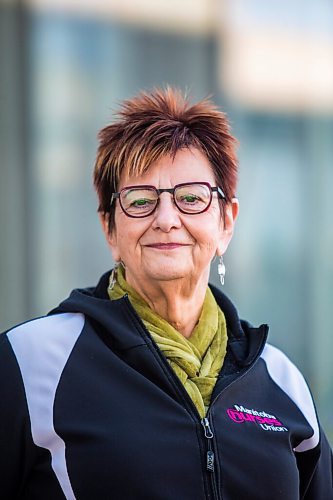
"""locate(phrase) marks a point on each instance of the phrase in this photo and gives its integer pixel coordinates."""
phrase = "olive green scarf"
(196, 360)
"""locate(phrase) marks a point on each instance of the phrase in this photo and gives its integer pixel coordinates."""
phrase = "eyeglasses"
(190, 198)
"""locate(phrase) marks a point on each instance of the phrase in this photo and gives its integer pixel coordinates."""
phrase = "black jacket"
(91, 409)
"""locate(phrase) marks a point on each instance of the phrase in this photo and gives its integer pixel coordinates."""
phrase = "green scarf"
(197, 360)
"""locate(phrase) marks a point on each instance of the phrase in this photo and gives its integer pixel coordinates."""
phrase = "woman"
(148, 386)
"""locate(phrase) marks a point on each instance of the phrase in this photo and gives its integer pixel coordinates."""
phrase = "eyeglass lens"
(189, 198)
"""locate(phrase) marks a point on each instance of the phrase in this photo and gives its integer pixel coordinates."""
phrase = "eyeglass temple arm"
(219, 191)
(113, 197)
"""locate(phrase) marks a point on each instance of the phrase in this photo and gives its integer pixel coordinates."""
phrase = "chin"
(166, 273)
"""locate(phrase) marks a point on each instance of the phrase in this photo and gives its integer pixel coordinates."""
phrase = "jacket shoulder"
(44, 329)
(43, 345)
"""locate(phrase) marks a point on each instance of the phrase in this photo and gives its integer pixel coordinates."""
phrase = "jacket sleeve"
(17, 451)
(316, 471)
(313, 454)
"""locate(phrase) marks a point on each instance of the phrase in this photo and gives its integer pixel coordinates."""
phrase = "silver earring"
(113, 276)
(221, 269)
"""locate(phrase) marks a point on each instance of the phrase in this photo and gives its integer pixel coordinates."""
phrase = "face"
(169, 245)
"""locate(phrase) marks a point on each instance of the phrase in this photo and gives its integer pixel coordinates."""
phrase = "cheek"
(129, 233)
(207, 232)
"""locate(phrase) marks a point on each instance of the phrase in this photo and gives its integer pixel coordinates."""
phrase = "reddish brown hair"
(159, 123)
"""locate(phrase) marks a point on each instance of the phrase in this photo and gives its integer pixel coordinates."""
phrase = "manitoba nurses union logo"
(267, 422)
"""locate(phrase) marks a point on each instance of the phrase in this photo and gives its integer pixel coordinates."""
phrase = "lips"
(167, 246)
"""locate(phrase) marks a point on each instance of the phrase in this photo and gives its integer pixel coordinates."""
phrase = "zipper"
(210, 453)
(210, 456)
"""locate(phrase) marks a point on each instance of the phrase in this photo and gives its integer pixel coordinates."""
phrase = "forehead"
(187, 166)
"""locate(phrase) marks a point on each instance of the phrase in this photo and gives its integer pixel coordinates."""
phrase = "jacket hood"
(245, 342)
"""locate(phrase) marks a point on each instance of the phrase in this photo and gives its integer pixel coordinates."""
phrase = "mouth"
(167, 246)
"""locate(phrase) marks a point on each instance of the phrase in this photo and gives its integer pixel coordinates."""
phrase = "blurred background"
(64, 67)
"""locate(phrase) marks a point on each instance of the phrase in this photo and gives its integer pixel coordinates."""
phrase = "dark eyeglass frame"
(212, 189)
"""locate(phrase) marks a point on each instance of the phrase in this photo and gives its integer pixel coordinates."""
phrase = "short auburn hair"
(160, 123)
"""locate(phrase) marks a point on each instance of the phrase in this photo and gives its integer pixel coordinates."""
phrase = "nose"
(166, 215)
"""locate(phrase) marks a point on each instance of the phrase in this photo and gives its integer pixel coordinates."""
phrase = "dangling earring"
(113, 276)
(221, 269)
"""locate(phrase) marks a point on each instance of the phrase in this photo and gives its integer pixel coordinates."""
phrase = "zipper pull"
(210, 461)
(207, 429)
(209, 435)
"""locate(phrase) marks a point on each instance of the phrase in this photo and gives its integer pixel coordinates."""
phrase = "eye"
(142, 202)
(189, 198)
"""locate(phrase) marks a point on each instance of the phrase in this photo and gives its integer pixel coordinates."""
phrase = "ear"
(111, 237)
(227, 226)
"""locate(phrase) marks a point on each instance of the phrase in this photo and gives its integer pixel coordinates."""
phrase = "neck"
(179, 301)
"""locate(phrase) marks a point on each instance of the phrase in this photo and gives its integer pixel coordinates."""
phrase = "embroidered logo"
(266, 421)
